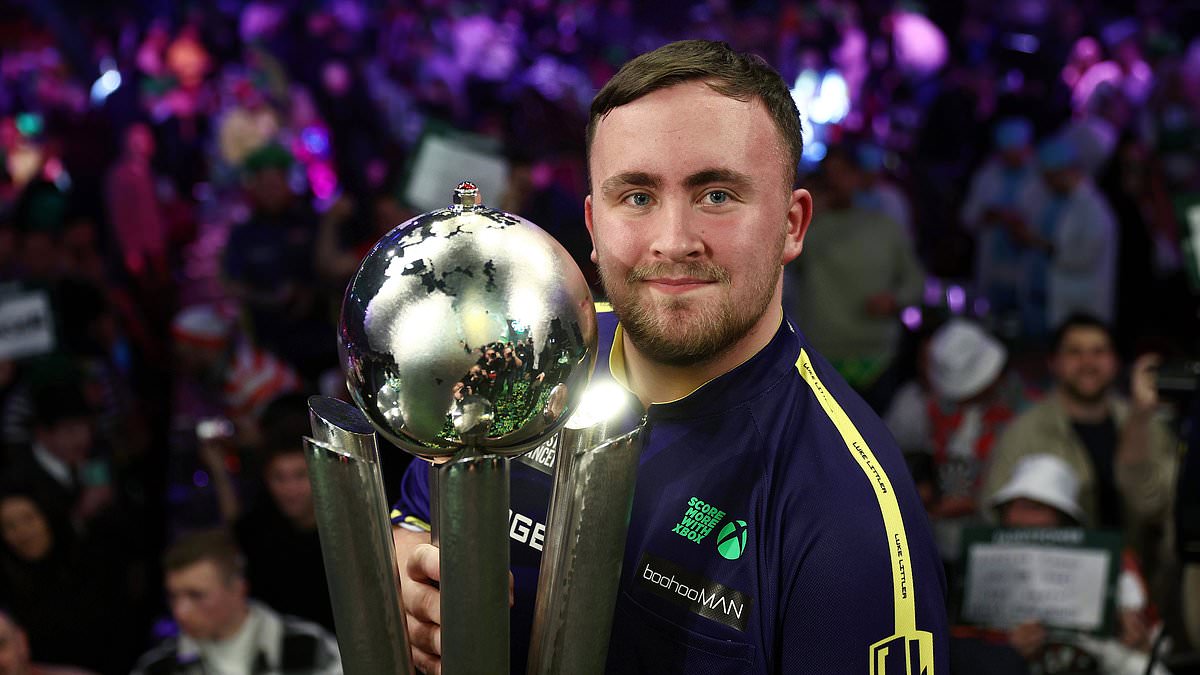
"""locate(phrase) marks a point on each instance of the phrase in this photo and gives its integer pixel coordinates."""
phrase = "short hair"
(285, 423)
(216, 546)
(739, 76)
(1080, 320)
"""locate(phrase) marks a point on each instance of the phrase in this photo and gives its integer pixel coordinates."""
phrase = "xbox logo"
(731, 541)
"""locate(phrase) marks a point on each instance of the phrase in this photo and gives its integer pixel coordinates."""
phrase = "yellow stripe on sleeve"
(893, 523)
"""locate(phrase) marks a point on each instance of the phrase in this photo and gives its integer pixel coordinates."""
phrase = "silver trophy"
(468, 336)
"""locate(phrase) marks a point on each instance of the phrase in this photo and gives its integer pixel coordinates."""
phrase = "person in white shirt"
(1071, 227)
(993, 206)
(222, 631)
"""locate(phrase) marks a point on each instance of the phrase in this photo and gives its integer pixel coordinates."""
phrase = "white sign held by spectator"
(26, 325)
(1009, 582)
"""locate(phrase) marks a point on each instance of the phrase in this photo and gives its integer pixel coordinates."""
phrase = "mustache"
(701, 270)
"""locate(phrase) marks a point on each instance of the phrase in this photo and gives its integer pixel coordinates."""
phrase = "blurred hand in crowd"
(1028, 639)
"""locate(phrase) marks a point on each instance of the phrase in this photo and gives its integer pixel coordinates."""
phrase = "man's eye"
(638, 199)
(717, 197)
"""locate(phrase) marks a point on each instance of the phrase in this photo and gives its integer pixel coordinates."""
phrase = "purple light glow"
(956, 299)
(911, 317)
(200, 478)
(933, 292)
(322, 179)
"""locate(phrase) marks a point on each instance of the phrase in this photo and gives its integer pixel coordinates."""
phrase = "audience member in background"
(268, 267)
(239, 375)
(68, 594)
(879, 194)
(1121, 452)
(992, 208)
(279, 531)
(221, 629)
(134, 209)
(61, 465)
(848, 294)
(971, 400)
(1071, 233)
(1043, 492)
(15, 657)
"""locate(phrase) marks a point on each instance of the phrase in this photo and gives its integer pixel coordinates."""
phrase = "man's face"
(206, 604)
(69, 439)
(692, 218)
(270, 192)
(287, 480)
(1085, 365)
(14, 648)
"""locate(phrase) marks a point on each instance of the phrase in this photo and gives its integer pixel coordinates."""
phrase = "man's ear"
(587, 220)
(799, 216)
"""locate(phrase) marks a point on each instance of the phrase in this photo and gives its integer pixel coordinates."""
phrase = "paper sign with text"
(1064, 578)
(26, 325)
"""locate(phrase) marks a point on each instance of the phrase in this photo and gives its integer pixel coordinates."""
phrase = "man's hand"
(423, 607)
(1028, 639)
(1143, 384)
(419, 579)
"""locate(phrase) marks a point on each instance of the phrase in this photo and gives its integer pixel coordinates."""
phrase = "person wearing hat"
(268, 266)
(971, 397)
(1070, 238)
(992, 205)
(1044, 493)
(239, 378)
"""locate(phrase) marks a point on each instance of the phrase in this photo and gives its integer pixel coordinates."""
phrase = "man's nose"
(677, 235)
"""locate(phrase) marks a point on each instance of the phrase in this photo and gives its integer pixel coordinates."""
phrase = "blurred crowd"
(1002, 257)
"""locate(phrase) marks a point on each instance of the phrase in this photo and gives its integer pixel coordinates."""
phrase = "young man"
(279, 532)
(221, 630)
(814, 541)
(1122, 454)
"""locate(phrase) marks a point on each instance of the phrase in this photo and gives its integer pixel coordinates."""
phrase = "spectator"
(269, 268)
(1043, 492)
(68, 595)
(1071, 232)
(848, 296)
(243, 377)
(879, 194)
(992, 207)
(62, 466)
(221, 629)
(15, 657)
(973, 397)
(1121, 453)
(279, 533)
(134, 209)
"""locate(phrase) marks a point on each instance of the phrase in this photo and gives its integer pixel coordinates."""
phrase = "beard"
(682, 331)
(1089, 395)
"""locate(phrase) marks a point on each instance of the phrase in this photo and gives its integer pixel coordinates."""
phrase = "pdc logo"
(731, 540)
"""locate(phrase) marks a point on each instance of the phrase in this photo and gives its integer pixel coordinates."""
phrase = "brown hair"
(215, 546)
(729, 73)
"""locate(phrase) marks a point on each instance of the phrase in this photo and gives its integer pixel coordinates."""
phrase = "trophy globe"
(467, 327)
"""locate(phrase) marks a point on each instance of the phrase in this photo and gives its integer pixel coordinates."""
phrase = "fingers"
(422, 599)
(426, 663)
(424, 563)
(426, 642)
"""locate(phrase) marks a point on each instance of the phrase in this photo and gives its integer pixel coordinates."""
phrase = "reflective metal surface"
(467, 327)
(470, 525)
(594, 478)
(356, 540)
